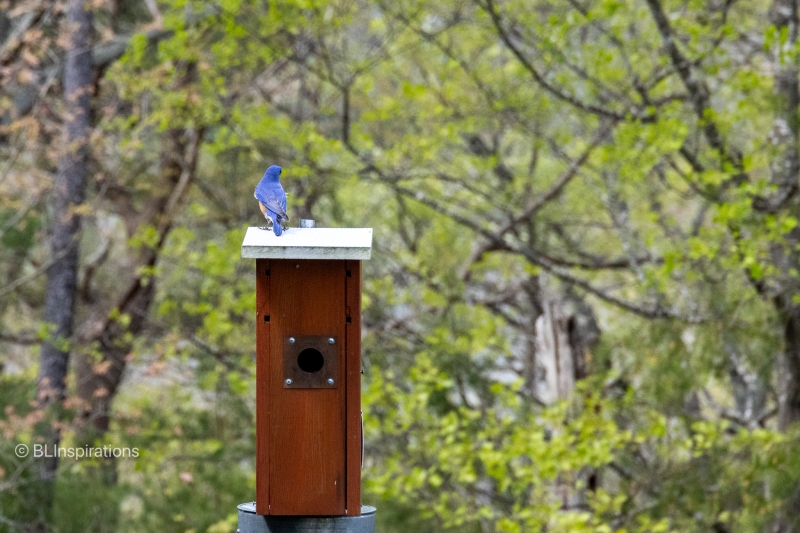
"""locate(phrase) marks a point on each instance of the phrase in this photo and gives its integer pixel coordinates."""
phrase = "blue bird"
(272, 199)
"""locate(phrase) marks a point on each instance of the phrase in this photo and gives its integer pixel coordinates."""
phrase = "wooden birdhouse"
(308, 369)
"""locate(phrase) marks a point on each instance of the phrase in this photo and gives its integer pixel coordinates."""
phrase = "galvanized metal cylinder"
(250, 522)
(307, 223)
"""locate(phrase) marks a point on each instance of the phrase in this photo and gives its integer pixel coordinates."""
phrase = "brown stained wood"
(308, 441)
(306, 426)
(353, 384)
(262, 386)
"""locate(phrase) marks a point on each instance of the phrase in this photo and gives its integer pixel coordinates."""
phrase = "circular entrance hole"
(310, 360)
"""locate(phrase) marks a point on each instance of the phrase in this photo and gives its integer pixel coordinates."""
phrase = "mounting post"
(250, 522)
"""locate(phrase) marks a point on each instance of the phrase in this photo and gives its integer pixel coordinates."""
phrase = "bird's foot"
(284, 224)
(269, 225)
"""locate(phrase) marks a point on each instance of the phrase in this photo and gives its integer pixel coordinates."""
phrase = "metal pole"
(250, 522)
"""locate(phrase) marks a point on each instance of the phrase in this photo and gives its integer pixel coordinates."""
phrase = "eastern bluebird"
(272, 199)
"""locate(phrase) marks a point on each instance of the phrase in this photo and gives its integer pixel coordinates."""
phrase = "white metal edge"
(276, 249)
(304, 252)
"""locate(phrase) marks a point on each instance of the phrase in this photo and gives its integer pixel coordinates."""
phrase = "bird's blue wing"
(266, 196)
(280, 195)
(272, 205)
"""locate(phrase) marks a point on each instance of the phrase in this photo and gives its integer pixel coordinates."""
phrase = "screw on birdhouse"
(330, 381)
(291, 340)
(307, 223)
(331, 341)
(288, 381)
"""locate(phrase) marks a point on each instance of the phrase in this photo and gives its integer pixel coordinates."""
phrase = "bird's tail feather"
(276, 225)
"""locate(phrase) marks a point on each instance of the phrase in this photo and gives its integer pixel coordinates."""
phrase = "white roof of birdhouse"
(308, 243)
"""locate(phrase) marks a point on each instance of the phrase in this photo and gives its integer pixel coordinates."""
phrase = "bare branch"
(28, 339)
(562, 182)
(536, 258)
(698, 92)
(558, 92)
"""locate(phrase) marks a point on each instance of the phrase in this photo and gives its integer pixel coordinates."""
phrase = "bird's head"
(273, 172)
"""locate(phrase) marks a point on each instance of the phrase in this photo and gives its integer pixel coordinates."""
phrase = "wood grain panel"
(306, 426)
(353, 384)
(262, 385)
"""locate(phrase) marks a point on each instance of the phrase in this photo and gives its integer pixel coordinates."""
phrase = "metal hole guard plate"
(250, 522)
(293, 345)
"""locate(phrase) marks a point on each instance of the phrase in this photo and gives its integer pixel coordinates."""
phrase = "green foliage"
(514, 158)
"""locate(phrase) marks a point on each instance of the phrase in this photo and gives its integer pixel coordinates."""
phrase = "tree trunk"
(784, 175)
(789, 370)
(99, 381)
(554, 353)
(69, 193)
(565, 331)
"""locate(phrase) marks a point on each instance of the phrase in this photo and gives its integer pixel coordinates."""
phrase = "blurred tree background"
(583, 307)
